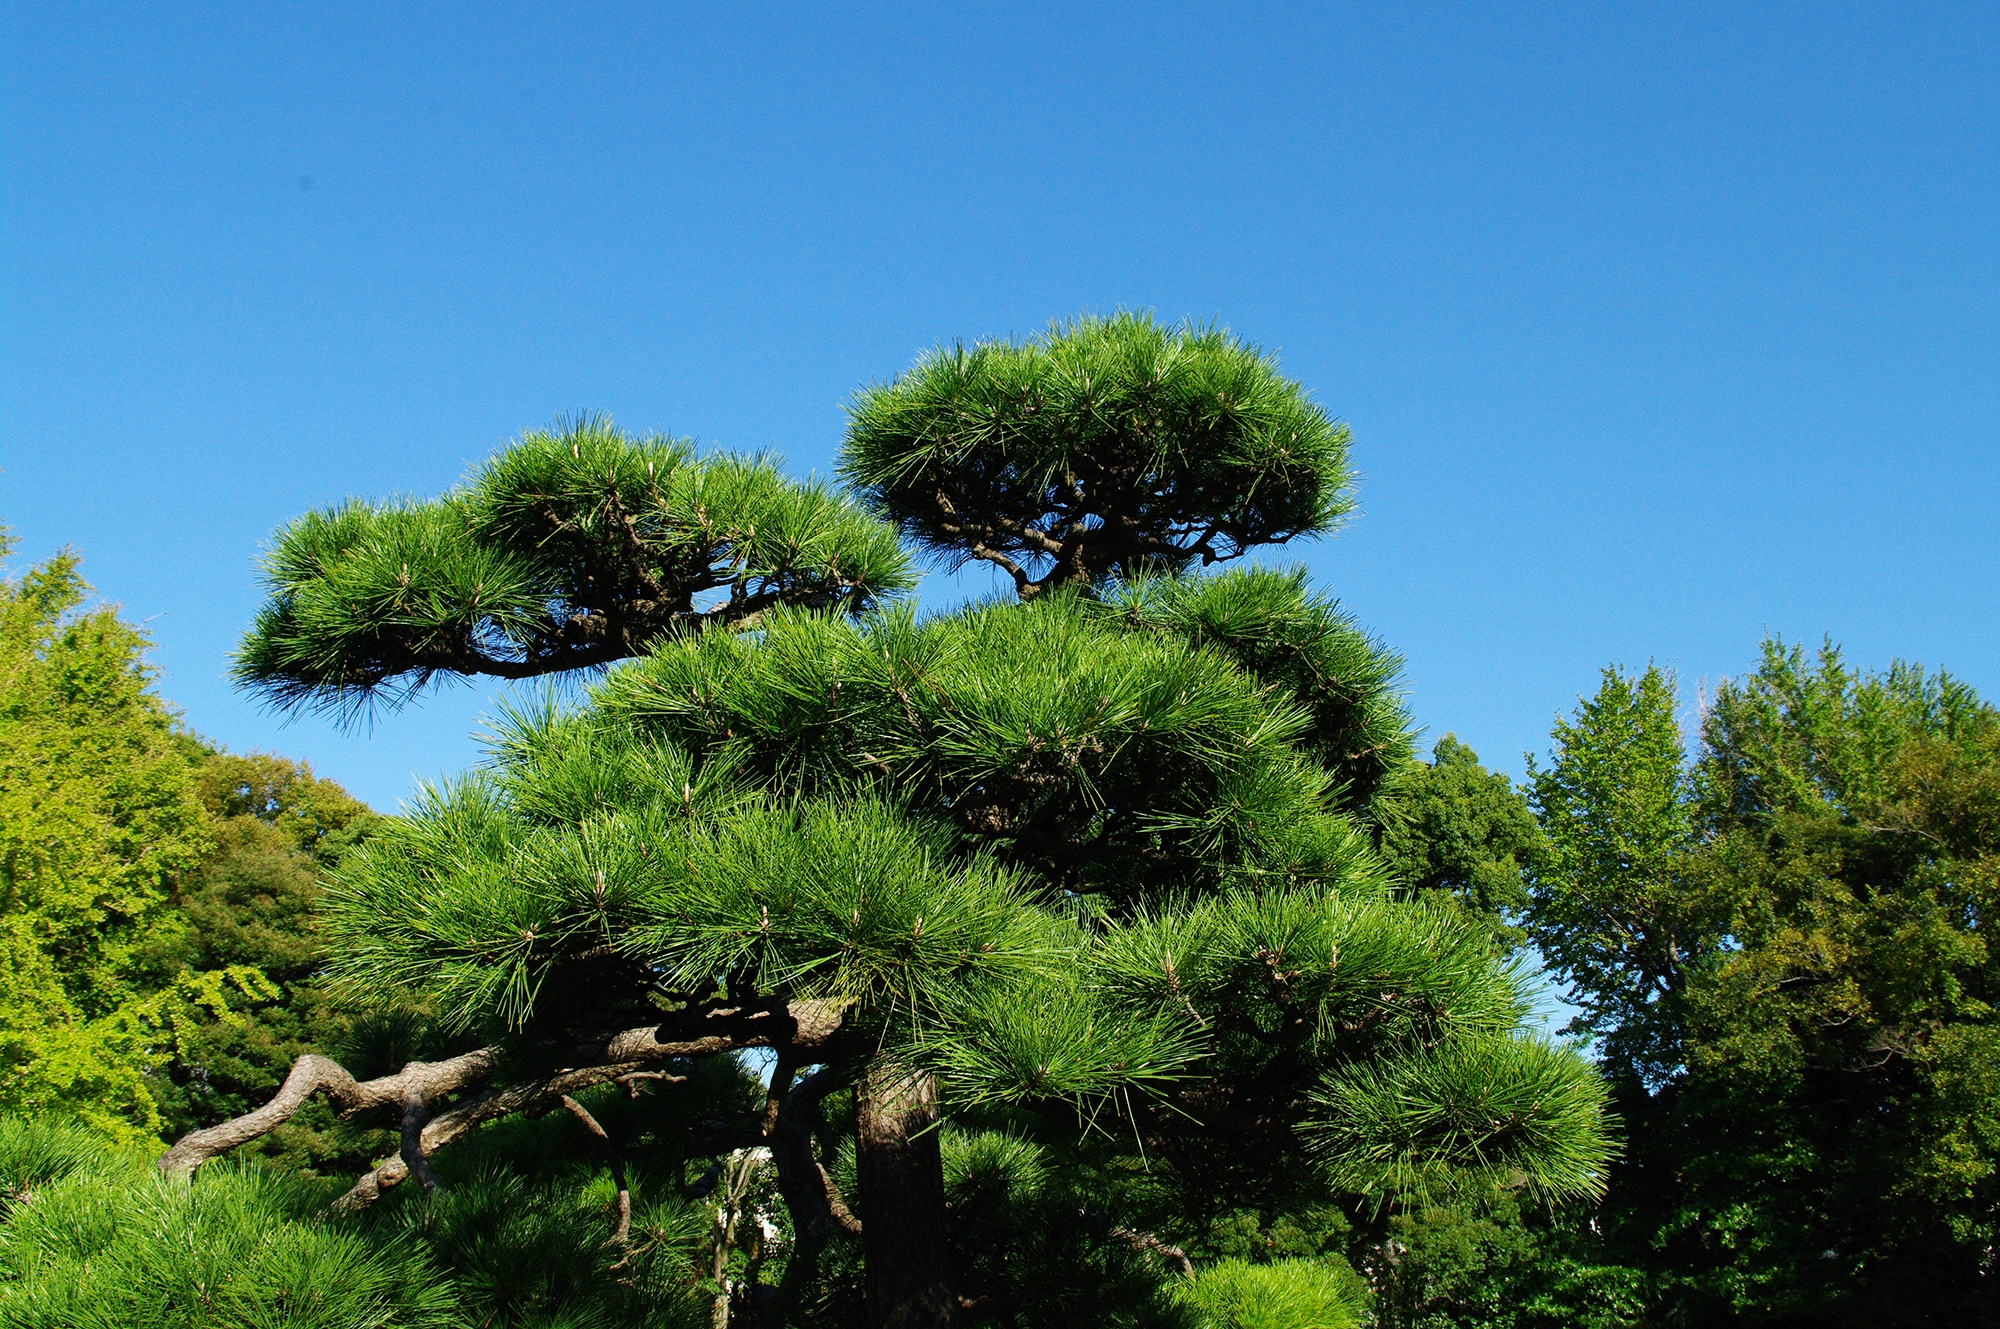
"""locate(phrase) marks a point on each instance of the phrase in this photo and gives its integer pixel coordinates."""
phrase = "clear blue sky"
(1658, 327)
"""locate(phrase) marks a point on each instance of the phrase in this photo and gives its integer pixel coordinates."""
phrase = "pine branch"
(412, 1092)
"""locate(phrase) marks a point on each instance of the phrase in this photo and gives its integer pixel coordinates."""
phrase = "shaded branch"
(623, 1234)
(415, 1114)
(1148, 1244)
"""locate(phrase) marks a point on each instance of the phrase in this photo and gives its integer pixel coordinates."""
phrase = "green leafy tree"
(1100, 856)
(253, 904)
(1619, 908)
(1819, 1141)
(100, 820)
(1456, 828)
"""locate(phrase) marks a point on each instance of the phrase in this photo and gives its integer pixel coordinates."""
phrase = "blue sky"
(1658, 327)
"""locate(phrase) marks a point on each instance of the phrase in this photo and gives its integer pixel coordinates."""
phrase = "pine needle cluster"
(1103, 447)
(570, 549)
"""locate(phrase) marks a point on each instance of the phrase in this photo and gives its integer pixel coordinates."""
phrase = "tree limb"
(1148, 1244)
(691, 1032)
(623, 1234)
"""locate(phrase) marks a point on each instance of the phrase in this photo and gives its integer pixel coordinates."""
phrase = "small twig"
(630, 1083)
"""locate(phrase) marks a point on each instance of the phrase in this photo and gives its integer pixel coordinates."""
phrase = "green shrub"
(1285, 1294)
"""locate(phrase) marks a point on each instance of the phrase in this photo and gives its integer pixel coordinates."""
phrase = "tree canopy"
(100, 819)
(1105, 855)
(1105, 447)
(1787, 947)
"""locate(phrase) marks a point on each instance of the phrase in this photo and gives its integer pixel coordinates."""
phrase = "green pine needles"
(1103, 447)
(1099, 865)
(570, 549)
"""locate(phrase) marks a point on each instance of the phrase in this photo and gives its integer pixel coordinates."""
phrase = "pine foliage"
(1102, 862)
(1283, 1294)
(1103, 447)
(1046, 853)
(569, 549)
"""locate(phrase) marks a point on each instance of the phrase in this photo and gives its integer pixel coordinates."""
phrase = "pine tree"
(1102, 855)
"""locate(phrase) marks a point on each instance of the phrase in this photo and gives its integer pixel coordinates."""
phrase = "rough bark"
(417, 1092)
(906, 1263)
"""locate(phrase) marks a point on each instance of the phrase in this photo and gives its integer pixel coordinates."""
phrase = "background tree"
(252, 903)
(99, 822)
(1819, 1140)
(1619, 908)
(1456, 828)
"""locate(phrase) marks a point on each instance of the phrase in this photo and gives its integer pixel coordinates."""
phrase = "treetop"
(1102, 447)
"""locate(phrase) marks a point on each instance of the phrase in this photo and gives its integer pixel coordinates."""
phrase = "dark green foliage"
(570, 549)
(1502, 1104)
(1464, 832)
(253, 903)
(1481, 1259)
(1050, 1230)
(1103, 447)
(1810, 960)
(1376, 1030)
(1036, 734)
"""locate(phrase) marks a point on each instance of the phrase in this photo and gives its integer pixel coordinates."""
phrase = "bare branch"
(694, 1031)
(836, 1203)
(312, 1075)
(1148, 1244)
(415, 1114)
(623, 1234)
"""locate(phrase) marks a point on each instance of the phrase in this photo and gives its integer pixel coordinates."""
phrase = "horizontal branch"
(312, 1075)
(692, 1032)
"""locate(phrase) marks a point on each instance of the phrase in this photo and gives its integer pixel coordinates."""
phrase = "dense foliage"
(252, 904)
(569, 550)
(100, 821)
(1786, 949)
(1108, 860)
(1105, 447)
(1104, 957)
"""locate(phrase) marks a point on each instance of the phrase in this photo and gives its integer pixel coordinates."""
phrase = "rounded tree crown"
(1101, 448)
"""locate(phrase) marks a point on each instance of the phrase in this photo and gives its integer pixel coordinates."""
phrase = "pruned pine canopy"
(567, 550)
(1058, 851)
(1108, 851)
(1102, 448)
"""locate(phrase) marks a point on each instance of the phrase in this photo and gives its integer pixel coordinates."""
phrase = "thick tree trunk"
(902, 1200)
